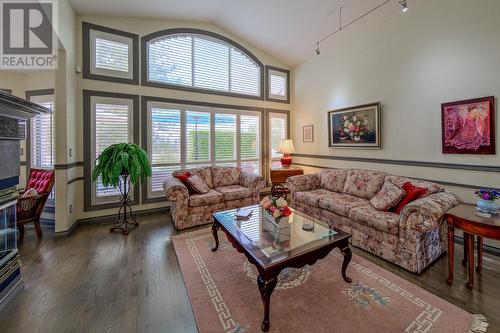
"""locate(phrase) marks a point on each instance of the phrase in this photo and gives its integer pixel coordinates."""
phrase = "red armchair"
(29, 209)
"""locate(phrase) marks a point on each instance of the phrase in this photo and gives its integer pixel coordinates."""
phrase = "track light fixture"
(404, 6)
(318, 51)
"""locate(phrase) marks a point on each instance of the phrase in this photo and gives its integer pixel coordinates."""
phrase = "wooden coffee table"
(271, 249)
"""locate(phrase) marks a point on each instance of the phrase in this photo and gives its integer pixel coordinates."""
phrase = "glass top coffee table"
(271, 247)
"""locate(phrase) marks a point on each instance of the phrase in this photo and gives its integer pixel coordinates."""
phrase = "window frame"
(197, 106)
(269, 97)
(269, 158)
(87, 56)
(88, 145)
(210, 34)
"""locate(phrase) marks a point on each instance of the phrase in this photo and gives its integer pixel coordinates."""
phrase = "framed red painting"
(468, 127)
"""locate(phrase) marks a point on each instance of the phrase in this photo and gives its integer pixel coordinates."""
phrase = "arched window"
(199, 60)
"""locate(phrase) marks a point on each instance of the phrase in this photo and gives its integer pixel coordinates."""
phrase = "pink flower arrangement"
(276, 207)
(353, 128)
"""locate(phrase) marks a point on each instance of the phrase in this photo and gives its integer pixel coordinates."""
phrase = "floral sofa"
(229, 188)
(412, 239)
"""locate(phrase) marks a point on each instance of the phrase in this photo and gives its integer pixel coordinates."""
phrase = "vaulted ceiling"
(284, 29)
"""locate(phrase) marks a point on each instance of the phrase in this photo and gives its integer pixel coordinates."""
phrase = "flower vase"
(487, 206)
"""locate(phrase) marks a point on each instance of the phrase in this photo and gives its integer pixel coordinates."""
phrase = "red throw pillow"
(183, 177)
(412, 193)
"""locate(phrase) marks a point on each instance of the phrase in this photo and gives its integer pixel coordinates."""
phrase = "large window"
(186, 136)
(109, 54)
(278, 130)
(111, 118)
(202, 61)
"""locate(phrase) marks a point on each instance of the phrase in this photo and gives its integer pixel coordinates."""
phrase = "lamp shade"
(286, 147)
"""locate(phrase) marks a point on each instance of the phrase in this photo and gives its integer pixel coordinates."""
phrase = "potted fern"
(117, 166)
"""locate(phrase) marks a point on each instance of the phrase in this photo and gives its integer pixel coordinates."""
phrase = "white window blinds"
(43, 134)
(278, 123)
(111, 124)
(277, 84)
(183, 136)
(111, 55)
(202, 62)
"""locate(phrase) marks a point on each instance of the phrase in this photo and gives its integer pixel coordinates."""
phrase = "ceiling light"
(404, 6)
(318, 51)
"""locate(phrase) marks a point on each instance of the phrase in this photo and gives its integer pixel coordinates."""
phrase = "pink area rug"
(224, 295)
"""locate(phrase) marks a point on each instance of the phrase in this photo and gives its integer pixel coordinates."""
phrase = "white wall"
(438, 51)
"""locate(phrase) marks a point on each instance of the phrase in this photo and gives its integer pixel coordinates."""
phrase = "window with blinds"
(111, 124)
(43, 134)
(278, 130)
(278, 81)
(183, 136)
(202, 62)
(109, 54)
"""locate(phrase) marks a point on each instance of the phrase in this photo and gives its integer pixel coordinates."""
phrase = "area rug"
(224, 295)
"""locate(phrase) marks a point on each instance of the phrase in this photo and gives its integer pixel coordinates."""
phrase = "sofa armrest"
(252, 181)
(426, 214)
(303, 182)
(175, 190)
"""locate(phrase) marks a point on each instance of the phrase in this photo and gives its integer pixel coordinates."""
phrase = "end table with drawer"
(279, 175)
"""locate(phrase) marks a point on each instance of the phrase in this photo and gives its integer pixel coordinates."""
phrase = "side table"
(279, 176)
(464, 217)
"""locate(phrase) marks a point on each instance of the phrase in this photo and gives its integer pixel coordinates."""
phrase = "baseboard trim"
(105, 218)
(493, 250)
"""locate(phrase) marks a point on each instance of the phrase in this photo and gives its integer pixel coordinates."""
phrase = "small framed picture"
(308, 133)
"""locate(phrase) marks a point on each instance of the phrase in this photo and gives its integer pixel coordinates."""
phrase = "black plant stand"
(125, 221)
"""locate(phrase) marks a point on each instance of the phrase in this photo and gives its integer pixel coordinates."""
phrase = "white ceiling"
(284, 29)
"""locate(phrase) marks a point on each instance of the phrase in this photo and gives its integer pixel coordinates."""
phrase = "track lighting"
(404, 6)
(318, 51)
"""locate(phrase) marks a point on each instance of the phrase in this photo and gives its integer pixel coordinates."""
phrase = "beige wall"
(438, 51)
(142, 27)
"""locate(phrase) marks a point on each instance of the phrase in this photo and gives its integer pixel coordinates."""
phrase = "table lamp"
(286, 148)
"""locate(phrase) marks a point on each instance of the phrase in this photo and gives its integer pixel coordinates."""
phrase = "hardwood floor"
(95, 281)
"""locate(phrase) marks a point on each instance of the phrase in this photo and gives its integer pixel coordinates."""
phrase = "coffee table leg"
(346, 251)
(451, 251)
(266, 288)
(215, 228)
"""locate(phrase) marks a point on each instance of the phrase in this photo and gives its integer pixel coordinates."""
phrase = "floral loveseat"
(412, 239)
(229, 188)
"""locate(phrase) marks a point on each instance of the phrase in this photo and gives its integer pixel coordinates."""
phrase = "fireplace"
(14, 113)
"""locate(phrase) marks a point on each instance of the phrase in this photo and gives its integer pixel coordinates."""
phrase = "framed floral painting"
(355, 127)
(468, 127)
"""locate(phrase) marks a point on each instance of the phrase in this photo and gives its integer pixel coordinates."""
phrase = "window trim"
(167, 32)
(87, 145)
(268, 139)
(29, 125)
(268, 84)
(145, 130)
(87, 74)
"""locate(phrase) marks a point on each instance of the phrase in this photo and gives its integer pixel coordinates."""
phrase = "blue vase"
(487, 206)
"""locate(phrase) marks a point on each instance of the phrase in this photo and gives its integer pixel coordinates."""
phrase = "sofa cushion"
(224, 176)
(388, 196)
(363, 183)
(311, 198)
(204, 173)
(412, 193)
(333, 180)
(340, 203)
(197, 184)
(233, 192)
(430, 186)
(212, 197)
(383, 221)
